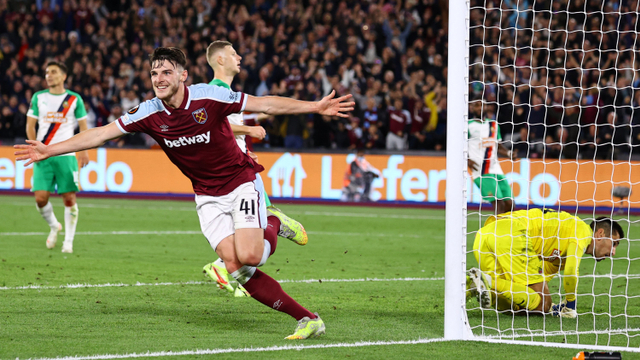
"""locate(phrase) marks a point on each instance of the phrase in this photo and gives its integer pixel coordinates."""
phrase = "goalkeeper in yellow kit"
(519, 252)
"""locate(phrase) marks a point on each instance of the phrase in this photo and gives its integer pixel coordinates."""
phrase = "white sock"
(70, 222)
(219, 262)
(266, 253)
(48, 215)
(243, 274)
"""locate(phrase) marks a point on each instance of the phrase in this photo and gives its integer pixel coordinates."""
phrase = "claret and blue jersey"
(197, 137)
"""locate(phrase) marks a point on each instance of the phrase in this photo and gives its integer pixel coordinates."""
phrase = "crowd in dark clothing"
(562, 77)
(378, 51)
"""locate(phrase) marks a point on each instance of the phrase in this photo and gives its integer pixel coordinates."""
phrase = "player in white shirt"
(57, 111)
(484, 145)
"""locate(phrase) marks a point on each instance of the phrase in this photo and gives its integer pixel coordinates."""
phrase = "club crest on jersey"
(133, 110)
(200, 116)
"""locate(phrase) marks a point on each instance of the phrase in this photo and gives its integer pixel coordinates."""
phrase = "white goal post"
(608, 295)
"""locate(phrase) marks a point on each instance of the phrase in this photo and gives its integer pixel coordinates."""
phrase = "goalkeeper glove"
(566, 309)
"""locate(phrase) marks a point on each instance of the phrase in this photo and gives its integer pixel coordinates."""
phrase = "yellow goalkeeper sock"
(517, 296)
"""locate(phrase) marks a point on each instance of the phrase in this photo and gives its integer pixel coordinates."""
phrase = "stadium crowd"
(390, 56)
(561, 77)
(561, 82)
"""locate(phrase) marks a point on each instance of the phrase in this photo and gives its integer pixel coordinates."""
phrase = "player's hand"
(257, 132)
(335, 107)
(473, 165)
(252, 155)
(566, 309)
(83, 159)
(33, 152)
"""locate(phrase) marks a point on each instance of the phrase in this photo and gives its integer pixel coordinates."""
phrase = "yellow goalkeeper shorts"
(503, 250)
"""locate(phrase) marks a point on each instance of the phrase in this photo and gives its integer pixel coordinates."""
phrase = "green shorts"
(494, 187)
(58, 170)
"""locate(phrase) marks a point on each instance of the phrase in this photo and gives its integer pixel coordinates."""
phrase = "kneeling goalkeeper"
(520, 252)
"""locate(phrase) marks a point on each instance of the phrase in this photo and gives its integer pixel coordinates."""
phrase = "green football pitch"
(134, 287)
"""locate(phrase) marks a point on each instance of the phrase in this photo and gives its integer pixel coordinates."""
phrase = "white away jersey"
(235, 119)
(483, 147)
(57, 115)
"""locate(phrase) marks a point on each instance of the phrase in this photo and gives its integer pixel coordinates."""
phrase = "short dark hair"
(608, 224)
(171, 54)
(60, 65)
(214, 47)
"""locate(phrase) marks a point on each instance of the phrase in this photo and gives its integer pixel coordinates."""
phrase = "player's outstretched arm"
(257, 132)
(276, 105)
(92, 138)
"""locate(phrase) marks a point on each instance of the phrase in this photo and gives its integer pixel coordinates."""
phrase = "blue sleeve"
(133, 119)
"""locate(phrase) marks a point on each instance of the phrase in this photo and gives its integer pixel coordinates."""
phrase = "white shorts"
(242, 208)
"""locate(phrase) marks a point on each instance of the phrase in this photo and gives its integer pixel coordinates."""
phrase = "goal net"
(544, 115)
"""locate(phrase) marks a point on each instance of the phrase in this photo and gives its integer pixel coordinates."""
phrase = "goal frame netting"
(457, 326)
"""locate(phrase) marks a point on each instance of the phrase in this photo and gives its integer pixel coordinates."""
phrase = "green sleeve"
(80, 112)
(499, 133)
(33, 110)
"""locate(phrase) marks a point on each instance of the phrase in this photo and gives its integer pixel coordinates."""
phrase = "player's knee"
(69, 199)
(251, 258)
(41, 203)
(42, 198)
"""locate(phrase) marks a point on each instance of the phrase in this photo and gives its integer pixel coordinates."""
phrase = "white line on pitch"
(307, 281)
(193, 232)
(246, 350)
(311, 213)
(540, 333)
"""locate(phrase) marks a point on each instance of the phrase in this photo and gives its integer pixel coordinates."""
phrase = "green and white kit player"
(484, 146)
(57, 111)
(226, 65)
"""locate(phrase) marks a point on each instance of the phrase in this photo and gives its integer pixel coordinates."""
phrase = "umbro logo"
(277, 304)
(164, 127)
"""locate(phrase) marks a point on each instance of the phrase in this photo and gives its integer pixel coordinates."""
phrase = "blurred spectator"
(6, 124)
(373, 138)
(130, 100)
(341, 138)
(355, 133)
(569, 131)
(295, 126)
(20, 123)
(399, 122)
(91, 116)
(116, 112)
(604, 138)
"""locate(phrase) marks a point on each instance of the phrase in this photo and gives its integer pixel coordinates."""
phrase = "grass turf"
(159, 242)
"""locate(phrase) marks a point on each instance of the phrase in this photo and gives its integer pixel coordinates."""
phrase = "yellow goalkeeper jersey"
(559, 238)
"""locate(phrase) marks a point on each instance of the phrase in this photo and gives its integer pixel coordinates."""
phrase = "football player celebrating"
(190, 124)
